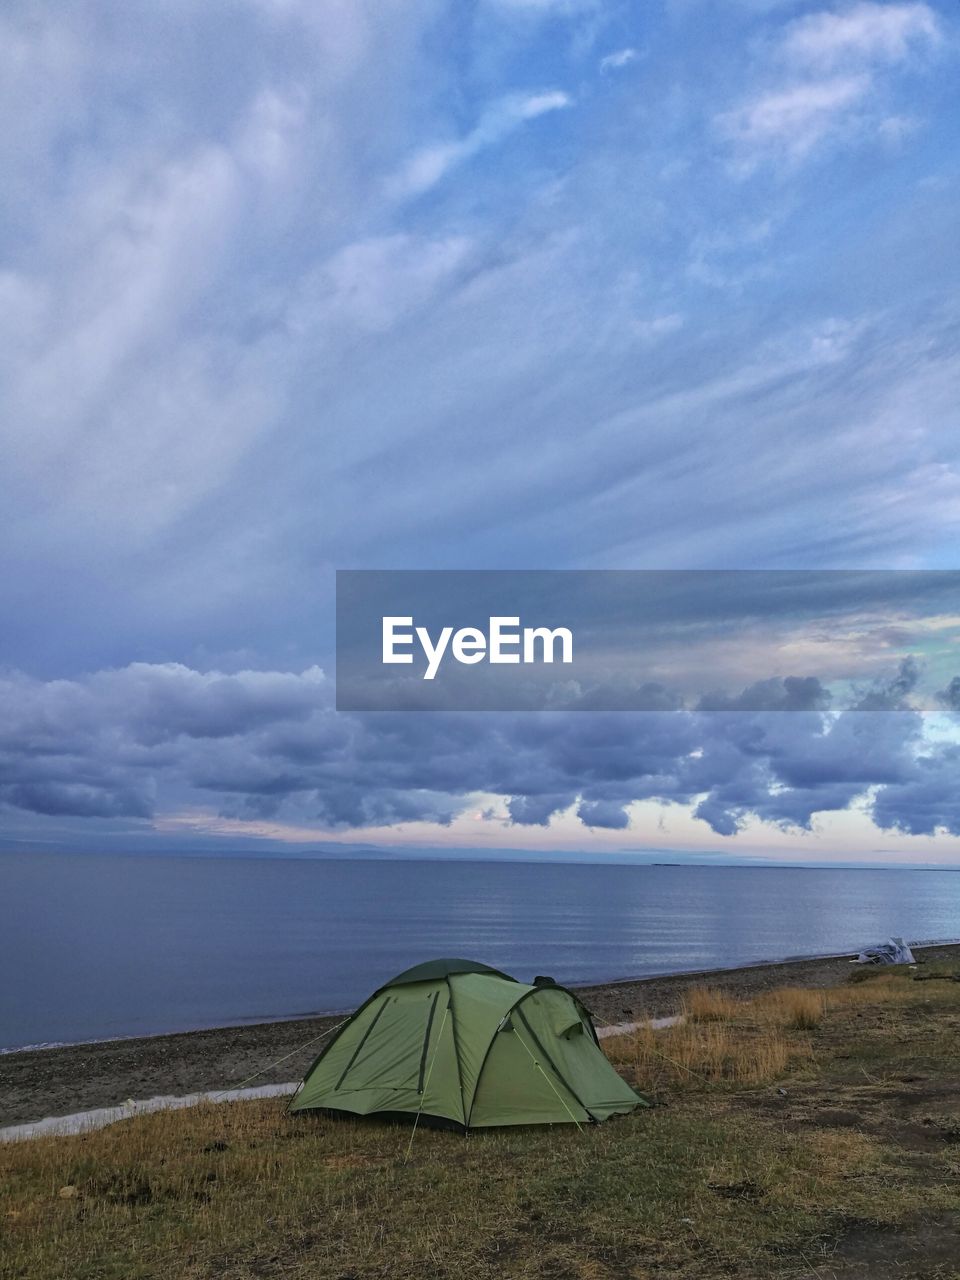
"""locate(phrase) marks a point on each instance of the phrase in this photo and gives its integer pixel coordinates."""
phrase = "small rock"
(68, 1192)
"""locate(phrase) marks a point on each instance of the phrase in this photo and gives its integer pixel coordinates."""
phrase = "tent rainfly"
(459, 1045)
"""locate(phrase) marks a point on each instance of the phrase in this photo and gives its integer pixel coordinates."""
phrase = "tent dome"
(442, 969)
(459, 1044)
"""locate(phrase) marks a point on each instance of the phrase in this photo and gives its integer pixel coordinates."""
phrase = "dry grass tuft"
(881, 987)
(797, 1008)
(692, 1053)
(706, 1004)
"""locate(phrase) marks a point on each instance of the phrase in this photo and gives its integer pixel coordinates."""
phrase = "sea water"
(94, 947)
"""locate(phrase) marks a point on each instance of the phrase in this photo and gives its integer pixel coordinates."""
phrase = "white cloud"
(865, 33)
(795, 118)
(613, 61)
(267, 144)
(895, 129)
(370, 284)
(652, 330)
(426, 167)
(833, 62)
(564, 8)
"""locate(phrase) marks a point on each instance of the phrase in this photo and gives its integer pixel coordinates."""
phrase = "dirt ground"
(53, 1082)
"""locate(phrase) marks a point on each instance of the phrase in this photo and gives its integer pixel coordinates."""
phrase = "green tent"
(464, 1046)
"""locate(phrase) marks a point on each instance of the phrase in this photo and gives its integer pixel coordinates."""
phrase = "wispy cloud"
(864, 33)
(793, 120)
(562, 8)
(828, 67)
(426, 167)
(614, 61)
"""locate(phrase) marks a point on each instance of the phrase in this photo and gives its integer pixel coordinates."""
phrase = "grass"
(691, 1054)
(799, 1008)
(826, 1150)
(245, 1192)
(796, 1008)
(704, 1004)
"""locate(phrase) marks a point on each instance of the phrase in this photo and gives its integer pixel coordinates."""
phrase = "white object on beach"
(624, 1028)
(895, 951)
(84, 1121)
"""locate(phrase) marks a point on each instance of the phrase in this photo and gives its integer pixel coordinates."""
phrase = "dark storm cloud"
(891, 695)
(950, 697)
(77, 800)
(925, 801)
(537, 810)
(793, 693)
(157, 740)
(603, 813)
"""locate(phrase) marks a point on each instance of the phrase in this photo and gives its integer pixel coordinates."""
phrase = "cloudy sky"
(292, 286)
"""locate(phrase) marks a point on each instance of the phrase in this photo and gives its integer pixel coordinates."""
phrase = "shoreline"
(603, 984)
(37, 1083)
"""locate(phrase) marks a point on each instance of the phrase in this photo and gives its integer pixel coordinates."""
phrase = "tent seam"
(363, 1040)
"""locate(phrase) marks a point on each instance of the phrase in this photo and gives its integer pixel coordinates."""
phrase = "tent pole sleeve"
(456, 1048)
(363, 1041)
(416, 1121)
(426, 1041)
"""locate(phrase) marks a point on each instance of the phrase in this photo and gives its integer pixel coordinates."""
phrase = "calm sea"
(94, 947)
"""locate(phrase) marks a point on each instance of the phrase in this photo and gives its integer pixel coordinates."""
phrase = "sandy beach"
(50, 1082)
